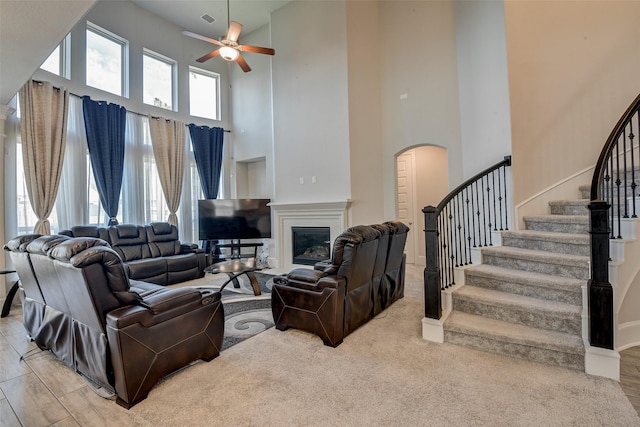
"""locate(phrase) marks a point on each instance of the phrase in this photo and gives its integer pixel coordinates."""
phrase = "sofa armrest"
(326, 266)
(188, 248)
(145, 346)
(310, 280)
(161, 305)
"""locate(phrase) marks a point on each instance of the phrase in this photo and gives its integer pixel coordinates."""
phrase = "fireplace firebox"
(311, 244)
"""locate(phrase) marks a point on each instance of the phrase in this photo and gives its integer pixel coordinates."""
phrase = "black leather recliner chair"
(364, 276)
(122, 335)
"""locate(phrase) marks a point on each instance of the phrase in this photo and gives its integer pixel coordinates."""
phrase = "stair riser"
(538, 266)
(569, 323)
(557, 227)
(547, 246)
(569, 210)
(551, 294)
(520, 351)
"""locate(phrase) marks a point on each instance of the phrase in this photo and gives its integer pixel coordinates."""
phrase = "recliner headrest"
(366, 232)
(397, 227)
(85, 231)
(68, 249)
(161, 227)
(43, 244)
(127, 231)
(383, 229)
(19, 243)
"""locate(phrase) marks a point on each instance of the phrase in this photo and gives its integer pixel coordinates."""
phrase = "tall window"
(107, 61)
(59, 62)
(158, 80)
(204, 89)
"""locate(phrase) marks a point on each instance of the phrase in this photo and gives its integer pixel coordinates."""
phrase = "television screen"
(234, 219)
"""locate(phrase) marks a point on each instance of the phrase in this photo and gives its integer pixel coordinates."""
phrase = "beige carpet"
(383, 374)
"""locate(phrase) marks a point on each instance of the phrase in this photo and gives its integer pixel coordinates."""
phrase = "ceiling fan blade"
(209, 55)
(234, 31)
(203, 38)
(243, 64)
(256, 49)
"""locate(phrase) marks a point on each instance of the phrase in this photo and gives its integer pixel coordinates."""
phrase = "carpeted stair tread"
(498, 330)
(524, 310)
(526, 283)
(539, 256)
(496, 298)
(567, 243)
(579, 239)
(576, 224)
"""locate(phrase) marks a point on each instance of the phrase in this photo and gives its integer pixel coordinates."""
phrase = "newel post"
(432, 296)
(599, 289)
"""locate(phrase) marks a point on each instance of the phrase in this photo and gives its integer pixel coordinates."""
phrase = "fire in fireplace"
(311, 244)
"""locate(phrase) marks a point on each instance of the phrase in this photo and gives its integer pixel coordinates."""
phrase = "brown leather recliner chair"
(335, 298)
(122, 335)
(396, 260)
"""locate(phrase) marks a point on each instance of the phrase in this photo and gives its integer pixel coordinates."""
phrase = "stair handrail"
(609, 199)
(451, 230)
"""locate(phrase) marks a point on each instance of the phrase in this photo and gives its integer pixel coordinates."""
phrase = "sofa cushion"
(147, 268)
(182, 262)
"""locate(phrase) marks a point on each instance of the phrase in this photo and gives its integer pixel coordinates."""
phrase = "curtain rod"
(39, 82)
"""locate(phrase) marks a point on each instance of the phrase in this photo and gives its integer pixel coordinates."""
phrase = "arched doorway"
(422, 179)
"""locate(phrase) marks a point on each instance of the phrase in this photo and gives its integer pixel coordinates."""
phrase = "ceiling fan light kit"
(228, 53)
(230, 49)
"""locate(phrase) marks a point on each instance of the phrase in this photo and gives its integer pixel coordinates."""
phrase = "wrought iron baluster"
(473, 214)
(506, 212)
(467, 228)
(624, 173)
(633, 168)
(500, 199)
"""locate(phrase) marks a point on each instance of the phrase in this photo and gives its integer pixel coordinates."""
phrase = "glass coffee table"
(235, 268)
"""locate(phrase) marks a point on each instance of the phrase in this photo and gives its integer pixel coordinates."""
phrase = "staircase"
(525, 299)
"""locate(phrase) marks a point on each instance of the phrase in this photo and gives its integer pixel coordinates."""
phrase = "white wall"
(365, 113)
(310, 102)
(251, 110)
(483, 83)
(419, 85)
(573, 71)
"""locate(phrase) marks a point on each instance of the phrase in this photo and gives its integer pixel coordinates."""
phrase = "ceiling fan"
(229, 48)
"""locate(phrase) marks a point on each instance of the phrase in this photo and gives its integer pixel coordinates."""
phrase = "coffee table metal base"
(234, 269)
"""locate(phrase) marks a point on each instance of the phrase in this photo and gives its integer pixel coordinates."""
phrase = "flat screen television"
(234, 219)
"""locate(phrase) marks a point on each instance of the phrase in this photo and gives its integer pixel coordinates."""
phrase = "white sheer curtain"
(71, 204)
(191, 193)
(133, 201)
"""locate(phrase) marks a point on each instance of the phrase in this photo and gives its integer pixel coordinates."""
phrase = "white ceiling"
(252, 14)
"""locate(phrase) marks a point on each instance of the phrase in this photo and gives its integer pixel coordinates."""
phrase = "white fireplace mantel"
(334, 215)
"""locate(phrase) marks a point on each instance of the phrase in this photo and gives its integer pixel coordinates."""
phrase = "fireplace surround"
(285, 216)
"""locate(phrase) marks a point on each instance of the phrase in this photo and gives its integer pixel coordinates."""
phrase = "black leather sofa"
(122, 335)
(363, 277)
(152, 253)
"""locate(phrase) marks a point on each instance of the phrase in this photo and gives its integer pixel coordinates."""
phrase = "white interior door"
(405, 200)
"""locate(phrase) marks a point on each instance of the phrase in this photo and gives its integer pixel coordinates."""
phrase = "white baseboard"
(433, 329)
(602, 362)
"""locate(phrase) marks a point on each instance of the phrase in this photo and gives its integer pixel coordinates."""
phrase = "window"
(59, 62)
(204, 87)
(158, 80)
(107, 61)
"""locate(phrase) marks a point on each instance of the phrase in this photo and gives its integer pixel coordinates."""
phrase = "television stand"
(236, 246)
